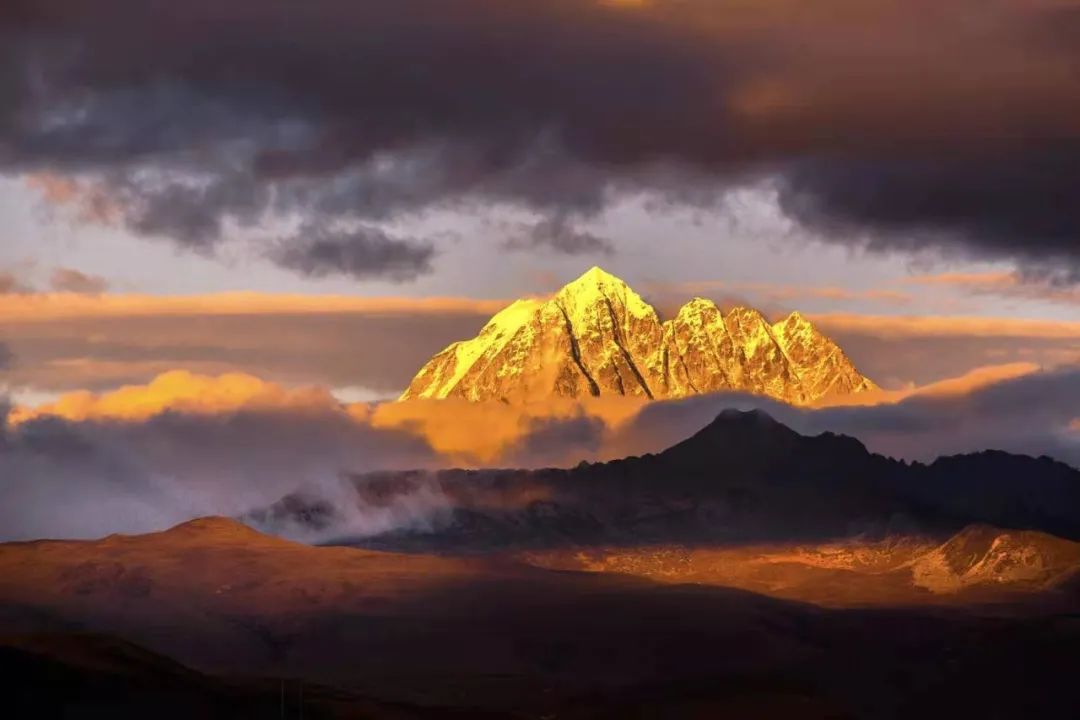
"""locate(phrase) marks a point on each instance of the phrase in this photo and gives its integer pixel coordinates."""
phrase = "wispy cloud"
(76, 199)
(897, 326)
(45, 307)
(1005, 284)
(776, 294)
(70, 280)
(557, 235)
(11, 284)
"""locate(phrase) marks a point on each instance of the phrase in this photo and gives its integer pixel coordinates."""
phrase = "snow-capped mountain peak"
(596, 336)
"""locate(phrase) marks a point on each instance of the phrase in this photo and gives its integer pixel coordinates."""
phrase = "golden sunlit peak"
(597, 274)
(596, 336)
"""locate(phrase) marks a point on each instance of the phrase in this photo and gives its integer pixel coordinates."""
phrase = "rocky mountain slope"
(979, 563)
(596, 336)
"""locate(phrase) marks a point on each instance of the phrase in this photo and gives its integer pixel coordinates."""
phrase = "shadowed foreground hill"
(81, 675)
(445, 635)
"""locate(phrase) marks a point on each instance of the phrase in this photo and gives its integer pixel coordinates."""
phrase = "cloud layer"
(888, 124)
(147, 457)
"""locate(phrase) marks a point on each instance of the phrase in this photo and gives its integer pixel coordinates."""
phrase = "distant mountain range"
(596, 336)
(743, 478)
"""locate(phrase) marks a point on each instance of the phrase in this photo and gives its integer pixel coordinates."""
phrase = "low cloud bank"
(1030, 413)
(143, 458)
(64, 478)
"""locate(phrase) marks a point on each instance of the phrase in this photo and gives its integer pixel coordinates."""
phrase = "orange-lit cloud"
(54, 189)
(87, 202)
(178, 391)
(970, 381)
(469, 432)
(77, 373)
(889, 326)
(770, 293)
(44, 307)
(12, 286)
(461, 432)
(70, 280)
(988, 279)
(976, 379)
(789, 293)
(1005, 284)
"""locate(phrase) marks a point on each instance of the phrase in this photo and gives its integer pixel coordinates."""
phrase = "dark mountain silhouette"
(743, 478)
(1002, 489)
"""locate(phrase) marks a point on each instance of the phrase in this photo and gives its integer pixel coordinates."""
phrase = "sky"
(319, 196)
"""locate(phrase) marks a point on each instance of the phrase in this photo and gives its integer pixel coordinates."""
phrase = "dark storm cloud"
(557, 234)
(1012, 204)
(359, 252)
(191, 210)
(952, 127)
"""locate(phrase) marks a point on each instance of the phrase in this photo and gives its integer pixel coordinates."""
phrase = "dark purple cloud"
(359, 252)
(558, 235)
(896, 125)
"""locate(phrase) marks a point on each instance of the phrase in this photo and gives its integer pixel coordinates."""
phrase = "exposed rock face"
(596, 336)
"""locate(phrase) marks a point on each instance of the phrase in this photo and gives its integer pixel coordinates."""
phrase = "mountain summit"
(596, 336)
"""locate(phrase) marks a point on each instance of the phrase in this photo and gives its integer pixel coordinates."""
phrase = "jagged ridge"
(596, 336)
